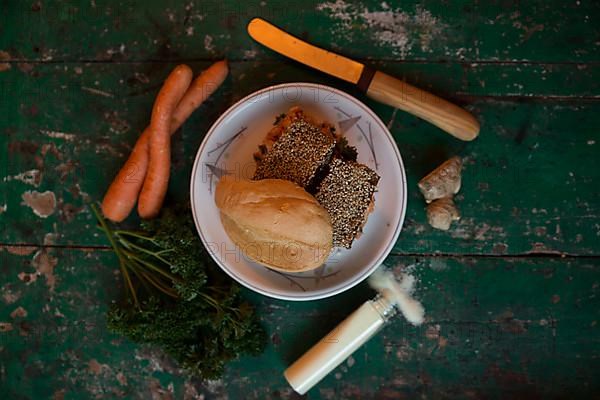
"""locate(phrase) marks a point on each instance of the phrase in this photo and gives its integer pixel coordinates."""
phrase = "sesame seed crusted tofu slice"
(296, 149)
(347, 195)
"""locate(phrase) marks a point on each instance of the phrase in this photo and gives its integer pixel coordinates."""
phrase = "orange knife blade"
(290, 46)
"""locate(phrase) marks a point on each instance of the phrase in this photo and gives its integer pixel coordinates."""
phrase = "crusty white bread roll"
(275, 223)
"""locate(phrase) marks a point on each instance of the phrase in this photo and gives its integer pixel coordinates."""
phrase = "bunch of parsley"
(177, 298)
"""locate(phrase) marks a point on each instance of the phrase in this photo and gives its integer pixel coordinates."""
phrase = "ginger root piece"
(441, 213)
(444, 181)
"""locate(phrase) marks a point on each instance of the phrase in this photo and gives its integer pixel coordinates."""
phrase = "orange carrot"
(156, 181)
(203, 86)
(122, 194)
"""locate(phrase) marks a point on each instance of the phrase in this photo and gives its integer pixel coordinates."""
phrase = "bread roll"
(275, 223)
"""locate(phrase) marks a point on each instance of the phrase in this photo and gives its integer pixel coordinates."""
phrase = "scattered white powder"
(398, 30)
(399, 293)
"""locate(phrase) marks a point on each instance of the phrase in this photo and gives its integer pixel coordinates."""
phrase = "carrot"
(122, 194)
(203, 86)
(156, 181)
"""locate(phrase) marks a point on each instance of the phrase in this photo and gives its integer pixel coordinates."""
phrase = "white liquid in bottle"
(339, 344)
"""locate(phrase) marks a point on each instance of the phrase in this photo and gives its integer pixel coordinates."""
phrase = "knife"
(377, 85)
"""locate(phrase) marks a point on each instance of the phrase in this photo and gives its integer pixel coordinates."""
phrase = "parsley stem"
(131, 245)
(149, 265)
(122, 262)
(121, 232)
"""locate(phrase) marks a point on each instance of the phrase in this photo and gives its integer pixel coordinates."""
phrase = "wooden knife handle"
(441, 113)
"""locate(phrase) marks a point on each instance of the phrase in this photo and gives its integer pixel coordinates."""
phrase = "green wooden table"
(512, 291)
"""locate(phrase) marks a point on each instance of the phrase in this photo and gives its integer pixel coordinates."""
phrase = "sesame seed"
(297, 155)
(346, 193)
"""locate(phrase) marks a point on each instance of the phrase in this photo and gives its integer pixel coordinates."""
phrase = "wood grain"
(509, 200)
(511, 292)
(503, 326)
(534, 31)
(441, 113)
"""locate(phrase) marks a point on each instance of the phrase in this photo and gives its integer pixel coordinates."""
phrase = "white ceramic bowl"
(228, 148)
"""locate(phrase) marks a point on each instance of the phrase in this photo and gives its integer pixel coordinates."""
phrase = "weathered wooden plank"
(514, 80)
(527, 183)
(497, 326)
(437, 30)
(510, 327)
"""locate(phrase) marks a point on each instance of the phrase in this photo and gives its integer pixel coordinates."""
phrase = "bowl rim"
(359, 277)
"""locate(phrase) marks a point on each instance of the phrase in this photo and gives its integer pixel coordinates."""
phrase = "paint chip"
(18, 312)
(432, 332)
(50, 238)
(44, 264)
(4, 56)
(122, 379)
(208, 43)
(395, 29)
(58, 134)
(6, 327)
(27, 278)
(8, 296)
(95, 367)
(32, 177)
(42, 204)
(20, 250)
